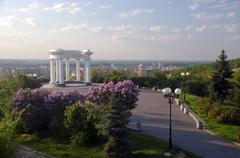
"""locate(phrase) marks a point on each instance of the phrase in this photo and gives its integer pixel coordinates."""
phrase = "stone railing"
(200, 124)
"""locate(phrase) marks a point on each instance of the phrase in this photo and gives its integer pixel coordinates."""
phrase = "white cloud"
(7, 34)
(30, 21)
(123, 29)
(71, 28)
(34, 5)
(142, 11)
(159, 28)
(230, 27)
(215, 27)
(164, 38)
(189, 28)
(71, 8)
(7, 20)
(136, 12)
(231, 15)
(104, 6)
(123, 15)
(194, 6)
(201, 28)
(234, 38)
(205, 16)
(52, 31)
(23, 10)
(88, 3)
(74, 10)
(213, 4)
(83, 28)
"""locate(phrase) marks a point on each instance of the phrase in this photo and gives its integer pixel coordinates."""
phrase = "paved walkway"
(153, 112)
(25, 152)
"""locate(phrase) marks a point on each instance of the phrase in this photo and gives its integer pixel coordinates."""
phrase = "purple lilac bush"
(44, 109)
(125, 91)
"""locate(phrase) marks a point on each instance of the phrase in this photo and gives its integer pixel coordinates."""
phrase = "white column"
(54, 70)
(61, 71)
(57, 70)
(67, 68)
(51, 71)
(87, 71)
(78, 69)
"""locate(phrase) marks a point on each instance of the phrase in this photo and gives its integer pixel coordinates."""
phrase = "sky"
(121, 29)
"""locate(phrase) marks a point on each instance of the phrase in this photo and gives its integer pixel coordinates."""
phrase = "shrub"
(215, 110)
(197, 88)
(81, 127)
(224, 113)
(7, 145)
(229, 115)
(203, 105)
(44, 109)
(125, 91)
(9, 86)
(7, 134)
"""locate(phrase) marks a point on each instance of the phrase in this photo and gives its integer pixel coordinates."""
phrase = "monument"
(59, 75)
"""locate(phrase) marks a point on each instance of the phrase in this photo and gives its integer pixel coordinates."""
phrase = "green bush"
(215, 110)
(7, 134)
(224, 113)
(203, 105)
(197, 88)
(80, 126)
(9, 86)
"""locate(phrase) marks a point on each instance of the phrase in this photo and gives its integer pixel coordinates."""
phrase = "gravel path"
(153, 112)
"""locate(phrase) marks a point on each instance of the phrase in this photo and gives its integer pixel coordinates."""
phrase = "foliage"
(7, 134)
(236, 89)
(116, 76)
(9, 86)
(113, 105)
(81, 127)
(196, 87)
(143, 146)
(44, 109)
(155, 79)
(125, 91)
(201, 106)
(224, 113)
(117, 145)
(98, 76)
(219, 84)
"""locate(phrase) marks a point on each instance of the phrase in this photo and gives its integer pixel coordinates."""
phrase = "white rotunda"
(59, 75)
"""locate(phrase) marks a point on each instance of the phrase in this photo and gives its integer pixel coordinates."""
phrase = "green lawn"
(225, 130)
(142, 147)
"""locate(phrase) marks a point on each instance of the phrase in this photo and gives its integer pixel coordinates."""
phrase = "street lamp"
(184, 77)
(168, 92)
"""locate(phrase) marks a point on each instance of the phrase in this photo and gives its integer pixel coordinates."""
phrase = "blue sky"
(121, 29)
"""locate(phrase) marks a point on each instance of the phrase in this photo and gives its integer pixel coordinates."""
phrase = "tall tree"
(117, 145)
(219, 83)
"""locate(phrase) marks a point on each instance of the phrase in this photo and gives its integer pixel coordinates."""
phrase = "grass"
(142, 147)
(225, 130)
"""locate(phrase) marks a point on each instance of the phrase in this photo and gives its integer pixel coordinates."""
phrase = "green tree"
(116, 76)
(219, 82)
(9, 86)
(236, 89)
(116, 120)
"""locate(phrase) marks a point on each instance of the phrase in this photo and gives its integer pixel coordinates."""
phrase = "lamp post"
(169, 94)
(184, 77)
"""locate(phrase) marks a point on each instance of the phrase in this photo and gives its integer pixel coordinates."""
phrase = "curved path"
(153, 112)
